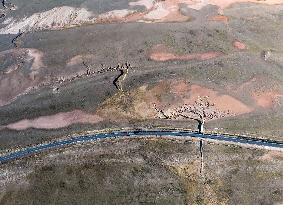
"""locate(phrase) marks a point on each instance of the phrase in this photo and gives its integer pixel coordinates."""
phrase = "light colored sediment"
(274, 57)
(166, 11)
(56, 18)
(35, 56)
(265, 91)
(221, 18)
(271, 155)
(239, 45)
(199, 4)
(115, 15)
(168, 95)
(148, 4)
(156, 11)
(169, 10)
(226, 3)
(189, 93)
(79, 59)
(56, 121)
(222, 102)
(161, 53)
(15, 80)
(267, 99)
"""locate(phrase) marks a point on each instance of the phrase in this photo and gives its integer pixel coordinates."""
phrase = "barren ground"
(131, 171)
(57, 78)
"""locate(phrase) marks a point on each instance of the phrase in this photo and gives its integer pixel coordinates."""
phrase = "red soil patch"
(221, 18)
(161, 53)
(239, 45)
(56, 121)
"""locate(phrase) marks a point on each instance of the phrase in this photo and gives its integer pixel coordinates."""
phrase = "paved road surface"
(139, 133)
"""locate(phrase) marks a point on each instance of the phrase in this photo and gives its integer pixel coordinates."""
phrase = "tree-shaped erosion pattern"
(202, 110)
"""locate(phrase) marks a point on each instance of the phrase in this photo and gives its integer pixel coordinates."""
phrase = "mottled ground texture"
(57, 79)
(145, 171)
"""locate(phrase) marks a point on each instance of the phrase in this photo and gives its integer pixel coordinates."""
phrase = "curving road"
(239, 140)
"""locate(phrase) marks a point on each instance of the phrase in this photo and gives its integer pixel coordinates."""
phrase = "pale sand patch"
(158, 12)
(135, 17)
(239, 45)
(56, 121)
(37, 56)
(163, 56)
(226, 3)
(116, 14)
(275, 56)
(120, 16)
(161, 53)
(265, 91)
(78, 59)
(175, 16)
(198, 4)
(255, 84)
(7, 21)
(167, 11)
(148, 4)
(271, 155)
(180, 87)
(11, 69)
(56, 18)
(222, 4)
(15, 81)
(182, 92)
(222, 102)
(221, 18)
(2, 103)
(267, 99)
(166, 95)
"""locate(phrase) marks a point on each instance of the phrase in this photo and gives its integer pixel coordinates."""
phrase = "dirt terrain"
(47, 73)
(150, 170)
(67, 67)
